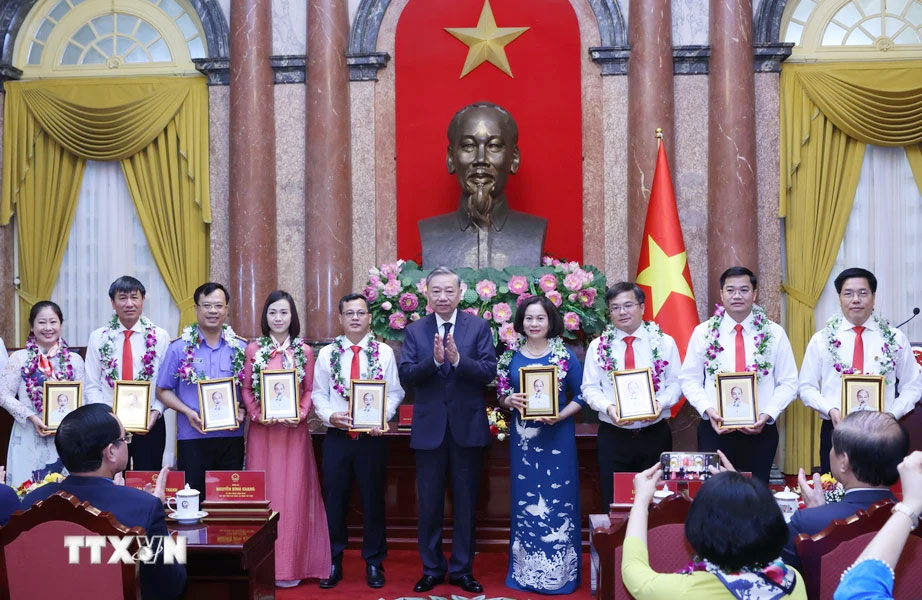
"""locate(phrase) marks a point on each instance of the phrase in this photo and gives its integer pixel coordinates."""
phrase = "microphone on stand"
(915, 312)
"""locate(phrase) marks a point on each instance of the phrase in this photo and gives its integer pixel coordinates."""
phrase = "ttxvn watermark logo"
(129, 549)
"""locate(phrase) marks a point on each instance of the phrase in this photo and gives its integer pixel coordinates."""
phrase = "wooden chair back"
(826, 555)
(35, 563)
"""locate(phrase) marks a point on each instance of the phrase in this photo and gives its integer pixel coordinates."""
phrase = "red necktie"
(127, 357)
(356, 372)
(858, 356)
(629, 352)
(740, 349)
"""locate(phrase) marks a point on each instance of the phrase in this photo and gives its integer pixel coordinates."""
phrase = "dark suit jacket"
(9, 503)
(131, 508)
(813, 520)
(453, 401)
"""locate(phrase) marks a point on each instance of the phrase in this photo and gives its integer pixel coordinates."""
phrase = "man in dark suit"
(93, 446)
(446, 360)
(866, 449)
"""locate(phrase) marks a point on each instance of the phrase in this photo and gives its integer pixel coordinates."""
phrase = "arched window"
(94, 38)
(853, 29)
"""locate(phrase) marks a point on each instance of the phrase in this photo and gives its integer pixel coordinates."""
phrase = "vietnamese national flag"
(662, 269)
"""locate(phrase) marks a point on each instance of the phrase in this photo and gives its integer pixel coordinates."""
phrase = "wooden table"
(229, 560)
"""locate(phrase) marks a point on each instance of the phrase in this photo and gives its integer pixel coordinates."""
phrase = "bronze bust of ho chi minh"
(484, 232)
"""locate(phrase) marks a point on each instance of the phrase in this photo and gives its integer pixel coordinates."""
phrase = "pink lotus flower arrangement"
(396, 294)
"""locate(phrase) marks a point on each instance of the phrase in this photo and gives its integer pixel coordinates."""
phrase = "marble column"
(251, 202)
(732, 186)
(328, 177)
(651, 105)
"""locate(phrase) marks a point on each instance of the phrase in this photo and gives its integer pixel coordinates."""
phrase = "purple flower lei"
(193, 338)
(762, 340)
(31, 373)
(559, 358)
(607, 360)
(890, 348)
(372, 354)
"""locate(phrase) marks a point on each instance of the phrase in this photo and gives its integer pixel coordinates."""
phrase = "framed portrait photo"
(862, 392)
(367, 404)
(131, 404)
(279, 394)
(635, 398)
(58, 399)
(217, 404)
(737, 400)
(539, 384)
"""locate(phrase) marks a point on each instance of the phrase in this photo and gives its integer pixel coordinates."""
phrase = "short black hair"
(294, 329)
(125, 285)
(625, 286)
(554, 320)
(739, 272)
(208, 288)
(40, 306)
(875, 443)
(349, 298)
(508, 121)
(735, 522)
(855, 273)
(83, 434)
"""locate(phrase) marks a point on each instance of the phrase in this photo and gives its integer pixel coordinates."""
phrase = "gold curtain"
(53, 123)
(914, 156)
(828, 113)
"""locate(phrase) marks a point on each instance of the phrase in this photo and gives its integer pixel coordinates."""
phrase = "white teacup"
(186, 503)
(788, 502)
(660, 495)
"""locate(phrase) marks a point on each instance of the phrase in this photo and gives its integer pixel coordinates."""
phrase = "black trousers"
(629, 450)
(753, 453)
(208, 454)
(361, 460)
(146, 451)
(460, 467)
(825, 445)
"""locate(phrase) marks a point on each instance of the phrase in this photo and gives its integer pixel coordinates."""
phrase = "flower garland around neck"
(193, 338)
(890, 348)
(605, 351)
(62, 370)
(762, 340)
(264, 354)
(559, 358)
(336, 368)
(110, 364)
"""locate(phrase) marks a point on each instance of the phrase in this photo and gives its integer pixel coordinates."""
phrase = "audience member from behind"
(9, 501)
(871, 576)
(93, 445)
(737, 531)
(866, 449)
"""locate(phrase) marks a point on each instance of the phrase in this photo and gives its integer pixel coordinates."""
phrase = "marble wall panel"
(289, 190)
(690, 23)
(289, 27)
(690, 176)
(364, 214)
(219, 146)
(768, 141)
(614, 100)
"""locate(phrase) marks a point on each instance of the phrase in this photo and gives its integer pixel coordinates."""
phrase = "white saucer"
(195, 518)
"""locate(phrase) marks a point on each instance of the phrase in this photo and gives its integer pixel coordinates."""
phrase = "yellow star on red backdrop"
(665, 274)
(486, 42)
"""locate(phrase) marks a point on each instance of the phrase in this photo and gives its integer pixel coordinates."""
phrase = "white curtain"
(106, 242)
(884, 235)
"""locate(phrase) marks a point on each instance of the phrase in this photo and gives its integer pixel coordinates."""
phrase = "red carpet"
(403, 570)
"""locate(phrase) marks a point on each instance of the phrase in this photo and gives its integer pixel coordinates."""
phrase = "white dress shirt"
(97, 389)
(597, 386)
(821, 384)
(327, 401)
(775, 390)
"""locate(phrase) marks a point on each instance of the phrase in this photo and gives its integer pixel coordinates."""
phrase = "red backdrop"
(543, 96)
